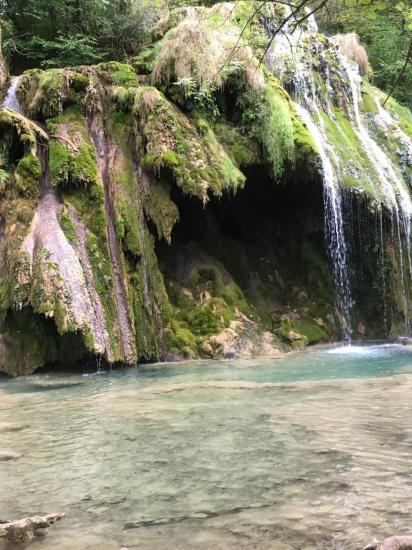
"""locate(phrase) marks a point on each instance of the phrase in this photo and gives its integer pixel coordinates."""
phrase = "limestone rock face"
(166, 209)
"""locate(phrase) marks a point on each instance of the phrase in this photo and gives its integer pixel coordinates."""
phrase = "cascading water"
(308, 107)
(323, 82)
(11, 102)
(393, 189)
(334, 225)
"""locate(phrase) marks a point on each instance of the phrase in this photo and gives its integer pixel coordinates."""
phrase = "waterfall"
(393, 188)
(335, 234)
(11, 102)
(308, 107)
(324, 83)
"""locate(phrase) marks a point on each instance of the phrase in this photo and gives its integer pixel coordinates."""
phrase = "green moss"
(400, 112)
(253, 32)
(204, 321)
(312, 332)
(368, 104)
(355, 170)
(161, 209)
(243, 150)
(150, 305)
(118, 74)
(27, 175)
(147, 295)
(68, 227)
(143, 63)
(99, 258)
(179, 338)
(167, 139)
(267, 116)
(27, 132)
(302, 137)
(287, 330)
(169, 158)
(72, 156)
(131, 238)
(47, 292)
(80, 82)
(59, 163)
(41, 92)
(124, 98)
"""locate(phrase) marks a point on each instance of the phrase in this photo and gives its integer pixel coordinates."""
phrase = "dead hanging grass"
(148, 97)
(194, 51)
(353, 49)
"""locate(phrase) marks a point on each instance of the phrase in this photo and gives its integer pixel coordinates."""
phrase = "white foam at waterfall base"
(11, 102)
(364, 351)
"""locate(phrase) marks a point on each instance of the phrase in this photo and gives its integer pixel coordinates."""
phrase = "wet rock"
(24, 530)
(361, 330)
(404, 340)
(206, 349)
(11, 427)
(320, 322)
(5, 456)
(302, 296)
(171, 358)
(294, 336)
(392, 543)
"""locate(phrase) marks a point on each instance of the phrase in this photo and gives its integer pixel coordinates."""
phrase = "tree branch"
(401, 73)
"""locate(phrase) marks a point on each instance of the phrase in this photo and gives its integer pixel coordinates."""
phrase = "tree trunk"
(3, 70)
(24, 530)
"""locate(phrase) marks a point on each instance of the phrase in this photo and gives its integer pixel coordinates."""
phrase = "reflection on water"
(313, 450)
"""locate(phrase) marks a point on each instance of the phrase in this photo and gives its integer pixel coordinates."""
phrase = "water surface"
(312, 450)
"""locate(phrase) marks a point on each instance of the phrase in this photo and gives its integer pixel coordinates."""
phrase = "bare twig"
(401, 73)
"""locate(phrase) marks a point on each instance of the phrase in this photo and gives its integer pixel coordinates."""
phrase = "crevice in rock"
(106, 154)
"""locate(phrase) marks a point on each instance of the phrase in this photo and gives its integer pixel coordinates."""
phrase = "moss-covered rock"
(27, 176)
(101, 223)
(167, 140)
(72, 156)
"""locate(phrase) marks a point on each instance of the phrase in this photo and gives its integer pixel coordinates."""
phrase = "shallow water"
(312, 450)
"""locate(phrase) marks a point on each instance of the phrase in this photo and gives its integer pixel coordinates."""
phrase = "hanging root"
(24, 530)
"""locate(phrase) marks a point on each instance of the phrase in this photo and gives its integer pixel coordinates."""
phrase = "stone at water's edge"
(404, 340)
(24, 530)
(392, 543)
(5, 456)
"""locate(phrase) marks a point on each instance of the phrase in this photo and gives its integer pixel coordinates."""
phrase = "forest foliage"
(53, 33)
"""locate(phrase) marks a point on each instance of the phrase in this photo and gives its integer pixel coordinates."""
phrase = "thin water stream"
(312, 450)
(11, 102)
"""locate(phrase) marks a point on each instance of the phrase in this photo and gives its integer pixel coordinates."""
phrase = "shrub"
(349, 44)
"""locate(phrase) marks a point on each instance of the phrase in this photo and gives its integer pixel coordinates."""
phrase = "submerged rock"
(11, 427)
(5, 456)
(392, 543)
(404, 340)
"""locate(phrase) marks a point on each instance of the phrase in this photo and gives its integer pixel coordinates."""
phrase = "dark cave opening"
(33, 338)
(269, 237)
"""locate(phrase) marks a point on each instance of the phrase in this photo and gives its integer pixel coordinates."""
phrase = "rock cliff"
(176, 206)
